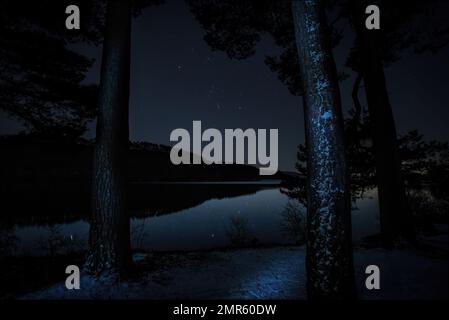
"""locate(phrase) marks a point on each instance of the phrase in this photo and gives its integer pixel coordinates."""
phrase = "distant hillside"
(41, 178)
(39, 161)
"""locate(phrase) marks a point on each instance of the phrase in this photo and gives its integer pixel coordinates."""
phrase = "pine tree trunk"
(109, 243)
(395, 216)
(329, 263)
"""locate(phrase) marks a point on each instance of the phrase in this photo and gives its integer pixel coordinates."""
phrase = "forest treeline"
(33, 160)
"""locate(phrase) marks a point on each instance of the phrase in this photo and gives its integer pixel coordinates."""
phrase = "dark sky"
(176, 78)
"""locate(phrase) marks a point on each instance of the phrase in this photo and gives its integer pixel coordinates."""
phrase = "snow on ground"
(263, 273)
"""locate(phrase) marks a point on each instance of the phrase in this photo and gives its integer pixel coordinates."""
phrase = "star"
(211, 90)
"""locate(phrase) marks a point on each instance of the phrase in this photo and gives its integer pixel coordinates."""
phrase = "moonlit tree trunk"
(329, 262)
(109, 243)
(395, 216)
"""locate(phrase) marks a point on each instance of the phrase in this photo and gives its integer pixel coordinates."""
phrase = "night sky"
(176, 78)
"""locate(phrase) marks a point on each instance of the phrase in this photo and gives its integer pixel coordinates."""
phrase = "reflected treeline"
(70, 203)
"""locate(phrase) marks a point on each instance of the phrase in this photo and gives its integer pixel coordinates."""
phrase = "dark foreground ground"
(263, 273)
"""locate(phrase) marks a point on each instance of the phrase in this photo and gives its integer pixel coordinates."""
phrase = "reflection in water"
(254, 218)
(206, 225)
(365, 216)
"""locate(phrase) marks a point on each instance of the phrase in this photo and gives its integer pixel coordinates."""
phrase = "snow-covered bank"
(265, 273)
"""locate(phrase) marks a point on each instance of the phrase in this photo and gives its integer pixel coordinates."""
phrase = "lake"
(253, 216)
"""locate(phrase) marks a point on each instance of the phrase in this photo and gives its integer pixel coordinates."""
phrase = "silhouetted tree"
(109, 239)
(43, 72)
(41, 84)
(425, 164)
(395, 218)
(109, 242)
(373, 50)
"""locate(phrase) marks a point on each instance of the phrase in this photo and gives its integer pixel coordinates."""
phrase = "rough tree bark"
(395, 216)
(330, 273)
(109, 242)
(355, 98)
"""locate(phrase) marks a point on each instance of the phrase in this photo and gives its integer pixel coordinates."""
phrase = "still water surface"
(258, 215)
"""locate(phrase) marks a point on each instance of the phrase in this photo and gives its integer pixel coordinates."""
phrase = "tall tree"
(235, 27)
(329, 253)
(401, 28)
(395, 217)
(109, 251)
(109, 243)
